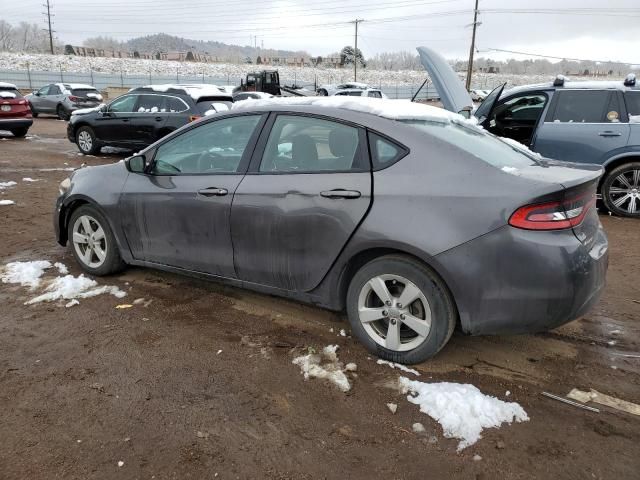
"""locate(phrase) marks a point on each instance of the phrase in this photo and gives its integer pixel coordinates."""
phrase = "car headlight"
(64, 186)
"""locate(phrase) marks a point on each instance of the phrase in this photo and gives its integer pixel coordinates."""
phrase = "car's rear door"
(53, 98)
(177, 214)
(148, 118)
(583, 126)
(39, 100)
(308, 188)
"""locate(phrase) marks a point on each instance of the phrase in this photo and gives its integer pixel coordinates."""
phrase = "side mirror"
(36, 93)
(137, 163)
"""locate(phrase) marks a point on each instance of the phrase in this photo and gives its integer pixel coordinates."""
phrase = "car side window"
(307, 144)
(150, 104)
(525, 108)
(175, 105)
(54, 90)
(211, 148)
(44, 90)
(375, 94)
(384, 152)
(123, 104)
(632, 99)
(581, 106)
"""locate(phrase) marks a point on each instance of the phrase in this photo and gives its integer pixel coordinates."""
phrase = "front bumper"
(11, 123)
(520, 281)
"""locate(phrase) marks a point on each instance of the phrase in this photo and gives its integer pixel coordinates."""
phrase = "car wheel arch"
(614, 162)
(69, 206)
(361, 258)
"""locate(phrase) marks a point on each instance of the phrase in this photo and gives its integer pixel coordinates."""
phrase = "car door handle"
(338, 193)
(610, 134)
(213, 192)
(158, 119)
(125, 119)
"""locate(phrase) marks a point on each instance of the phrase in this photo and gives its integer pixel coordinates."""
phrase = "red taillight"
(74, 99)
(553, 215)
(193, 118)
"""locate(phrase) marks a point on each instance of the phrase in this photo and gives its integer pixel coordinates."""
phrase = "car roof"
(195, 90)
(77, 85)
(569, 85)
(354, 107)
(8, 85)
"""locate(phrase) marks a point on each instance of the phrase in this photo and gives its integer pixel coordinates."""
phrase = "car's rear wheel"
(322, 92)
(19, 132)
(62, 113)
(93, 243)
(400, 309)
(86, 141)
(621, 190)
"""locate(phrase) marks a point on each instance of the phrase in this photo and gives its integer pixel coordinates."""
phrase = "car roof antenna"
(416, 94)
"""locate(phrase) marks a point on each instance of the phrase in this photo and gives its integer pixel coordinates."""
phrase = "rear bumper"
(519, 281)
(11, 123)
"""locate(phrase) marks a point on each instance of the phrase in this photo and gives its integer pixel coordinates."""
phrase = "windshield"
(83, 92)
(477, 142)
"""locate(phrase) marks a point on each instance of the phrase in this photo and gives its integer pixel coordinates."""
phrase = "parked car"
(62, 99)
(590, 122)
(15, 114)
(335, 202)
(143, 115)
(479, 95)
(329, 90)
(238, 96)
(357, 92)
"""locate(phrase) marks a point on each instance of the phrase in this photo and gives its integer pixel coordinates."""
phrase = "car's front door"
(177, 213)
(308, 188)
(53, 98)
(113, 124)
(518, 116)
(39, 100)
(583, 126)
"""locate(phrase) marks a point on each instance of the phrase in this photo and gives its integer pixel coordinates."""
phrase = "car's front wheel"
(86, 141)
(93, 243)
(322, 92)
(621, 190)
(34, 114)
(400, 309)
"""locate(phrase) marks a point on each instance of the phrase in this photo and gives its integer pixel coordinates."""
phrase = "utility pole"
(473, 46)
(355, 53)
(48, 14)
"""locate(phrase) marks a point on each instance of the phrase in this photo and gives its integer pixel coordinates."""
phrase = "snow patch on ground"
(4, 185)
(398, 366)
(324, 365)
(70, 287)
(7, 202)
(66, 287)
(462, 410)
(30, 180)
(26, 274)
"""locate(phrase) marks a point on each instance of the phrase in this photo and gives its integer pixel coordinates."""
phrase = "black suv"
(144, 115)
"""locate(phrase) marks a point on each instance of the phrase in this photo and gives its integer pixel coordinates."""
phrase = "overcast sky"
(610, 32)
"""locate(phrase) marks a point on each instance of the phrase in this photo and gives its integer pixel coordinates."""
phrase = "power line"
(529, 54)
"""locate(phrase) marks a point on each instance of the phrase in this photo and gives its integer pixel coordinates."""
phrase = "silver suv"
(62, 99)
(594, 122)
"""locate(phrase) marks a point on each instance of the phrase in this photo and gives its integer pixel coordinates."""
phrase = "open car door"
(484, 111)
(453, 95)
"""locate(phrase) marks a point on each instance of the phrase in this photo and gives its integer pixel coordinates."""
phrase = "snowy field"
(233, 72)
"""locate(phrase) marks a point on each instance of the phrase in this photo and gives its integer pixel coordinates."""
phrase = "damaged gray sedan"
(407, 217)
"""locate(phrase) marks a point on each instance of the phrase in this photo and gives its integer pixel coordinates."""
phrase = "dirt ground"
(199, 383)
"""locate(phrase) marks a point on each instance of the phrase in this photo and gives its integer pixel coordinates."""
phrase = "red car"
(15, 114)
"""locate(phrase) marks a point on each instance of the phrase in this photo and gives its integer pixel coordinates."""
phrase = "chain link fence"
(33, 80)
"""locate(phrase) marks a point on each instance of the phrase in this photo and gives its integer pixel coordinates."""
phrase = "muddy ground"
(84, 388)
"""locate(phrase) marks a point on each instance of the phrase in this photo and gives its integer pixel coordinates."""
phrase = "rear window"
(205, 104)
(82, 92)
(7, 92)
(480, 144)
(375, 94)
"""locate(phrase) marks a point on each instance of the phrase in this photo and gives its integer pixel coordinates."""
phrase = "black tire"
(323, 93)
(84, 148)
(62, 113)
(630, 206)
(19, 132)
(113, 262)
(34, 114)
(443, 311)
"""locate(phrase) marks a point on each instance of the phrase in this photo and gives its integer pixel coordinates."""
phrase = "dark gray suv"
(594, 122)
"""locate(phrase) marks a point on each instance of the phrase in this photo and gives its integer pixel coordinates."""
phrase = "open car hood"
(454, 96)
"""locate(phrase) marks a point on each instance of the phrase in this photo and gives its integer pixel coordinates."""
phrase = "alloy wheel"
(394, 312)
(624, 192)
(85, 141)
(89, 241)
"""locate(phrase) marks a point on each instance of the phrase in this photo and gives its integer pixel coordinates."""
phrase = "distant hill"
(162, 42)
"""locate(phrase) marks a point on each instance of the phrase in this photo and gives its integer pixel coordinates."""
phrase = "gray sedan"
(407, 217)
